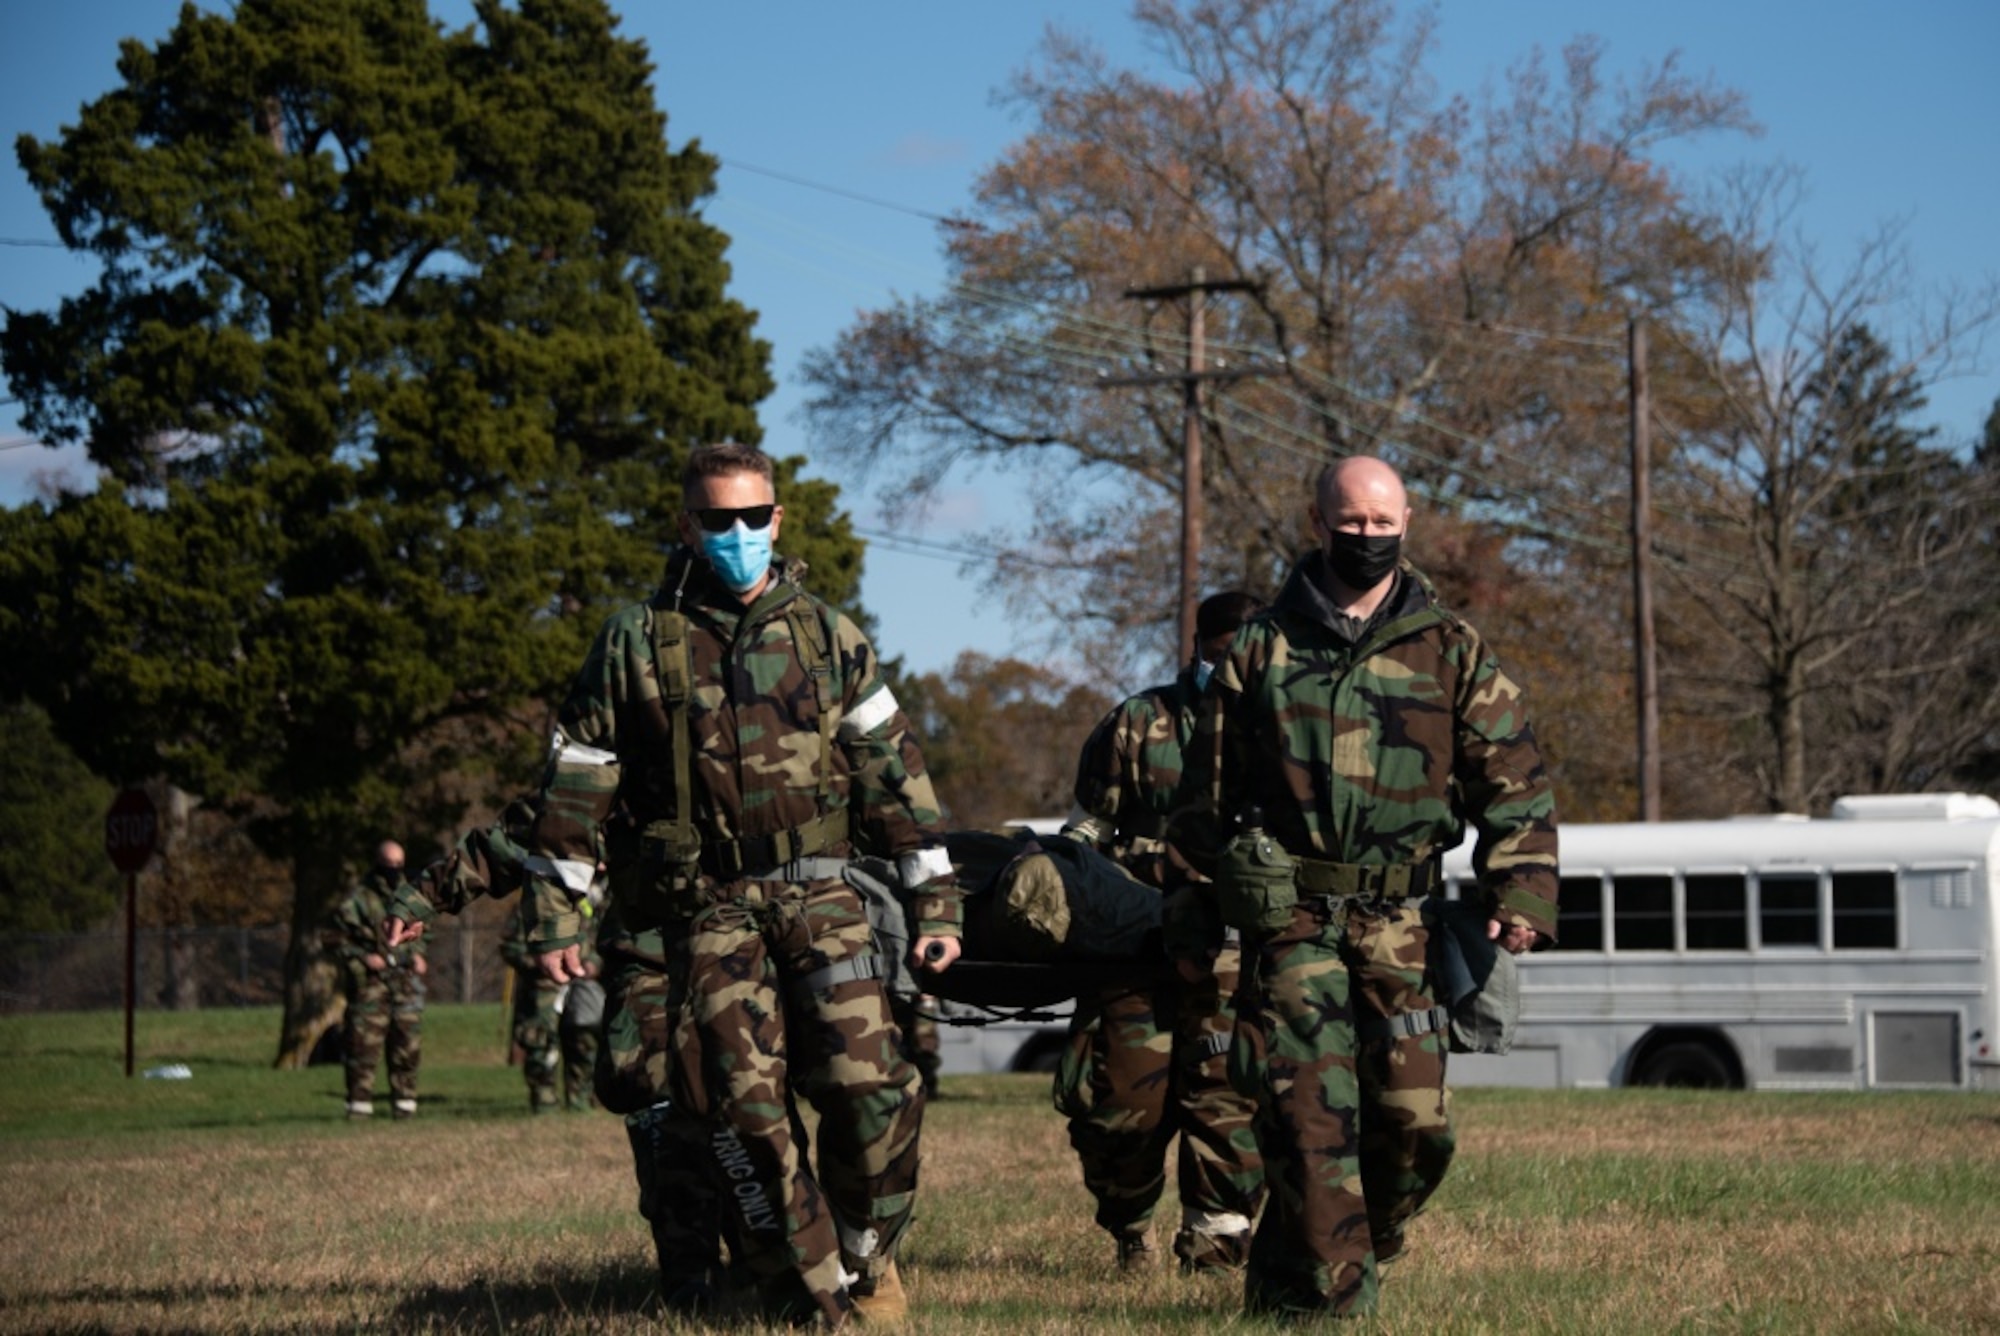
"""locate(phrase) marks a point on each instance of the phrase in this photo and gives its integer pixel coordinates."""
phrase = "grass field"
(241, 1201)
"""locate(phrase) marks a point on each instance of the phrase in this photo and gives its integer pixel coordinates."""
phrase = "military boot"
(1199, 1250)
(1135, 1252)
(879, 1300)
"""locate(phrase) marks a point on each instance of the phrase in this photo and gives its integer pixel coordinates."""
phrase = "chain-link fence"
(192, 968)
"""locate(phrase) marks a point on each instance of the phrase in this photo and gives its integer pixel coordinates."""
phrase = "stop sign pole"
(131, 837)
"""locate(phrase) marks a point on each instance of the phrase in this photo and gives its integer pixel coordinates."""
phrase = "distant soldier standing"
(1358, 726)
(385, 990)
(1146, 1063)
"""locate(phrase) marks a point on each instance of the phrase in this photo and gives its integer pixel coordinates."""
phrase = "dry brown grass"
(1618, 1211)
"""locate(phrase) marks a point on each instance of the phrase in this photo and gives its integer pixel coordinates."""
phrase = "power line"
(943, 219)
(31, 241)
(961, 552)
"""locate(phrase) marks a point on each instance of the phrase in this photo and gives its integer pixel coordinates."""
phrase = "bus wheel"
(1687, 1065)
(1042, 1053)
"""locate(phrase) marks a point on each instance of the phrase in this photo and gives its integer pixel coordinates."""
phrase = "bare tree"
(1443, 284)
(1847, 560)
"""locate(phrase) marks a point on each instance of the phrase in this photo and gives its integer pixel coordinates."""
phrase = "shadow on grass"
(480, 1304)
(487, 1303)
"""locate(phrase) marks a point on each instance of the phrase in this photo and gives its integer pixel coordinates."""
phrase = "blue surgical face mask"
(739, 554)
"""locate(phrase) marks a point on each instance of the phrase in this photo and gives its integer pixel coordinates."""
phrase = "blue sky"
(1890, 110)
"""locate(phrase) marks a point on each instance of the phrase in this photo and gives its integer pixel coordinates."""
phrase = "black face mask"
(1361, 561)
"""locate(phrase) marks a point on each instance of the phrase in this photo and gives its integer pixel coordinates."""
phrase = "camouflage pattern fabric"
(1339, 1200)
(678, 1182)
(774, 747)
(754, 728)
(1144, 1065)
(1372, 752)
(916, 1021)
(558, 1055)
(748, 1035)
(385, 1008)
(490, 861)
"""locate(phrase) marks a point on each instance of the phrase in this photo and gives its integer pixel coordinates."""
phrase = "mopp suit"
(1365, 750)
(753, 748)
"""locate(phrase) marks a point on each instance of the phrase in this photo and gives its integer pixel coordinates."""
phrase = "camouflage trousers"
(384, 1011)
(752, 1024)
(1356, 1131)
(1141, 1066)
(557, 1055)
(678, 1195)
(922, 1044)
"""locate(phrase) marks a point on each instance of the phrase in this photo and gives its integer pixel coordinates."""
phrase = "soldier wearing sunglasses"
(745, 727)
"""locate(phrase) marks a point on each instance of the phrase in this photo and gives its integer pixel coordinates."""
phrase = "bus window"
(1718, 911)
(1788, 909)
(1642, 913)
(1864, 911)
(1580, 914)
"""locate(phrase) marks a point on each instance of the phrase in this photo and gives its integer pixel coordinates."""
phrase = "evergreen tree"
(401, 337)
(54, 875)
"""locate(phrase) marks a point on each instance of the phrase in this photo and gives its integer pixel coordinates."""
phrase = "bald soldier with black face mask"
(1352, 732)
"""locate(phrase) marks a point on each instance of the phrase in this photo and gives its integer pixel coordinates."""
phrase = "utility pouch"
(668, 882)
(1256, 883)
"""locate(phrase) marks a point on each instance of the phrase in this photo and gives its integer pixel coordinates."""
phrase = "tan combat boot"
(1135, 1253)
(880, 1302)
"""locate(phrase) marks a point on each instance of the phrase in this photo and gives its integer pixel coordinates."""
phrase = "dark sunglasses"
(717, 519)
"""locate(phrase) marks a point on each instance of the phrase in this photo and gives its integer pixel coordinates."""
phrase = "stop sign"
(131, 831)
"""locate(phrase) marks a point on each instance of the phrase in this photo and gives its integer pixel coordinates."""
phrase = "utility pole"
(1196, 290)
(1643, 645)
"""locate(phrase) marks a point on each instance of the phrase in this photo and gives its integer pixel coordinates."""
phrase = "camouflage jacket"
(490, 861)
(1129, 773)
(1381, 751)
(515, 950)
(754, 731)
(357, 925)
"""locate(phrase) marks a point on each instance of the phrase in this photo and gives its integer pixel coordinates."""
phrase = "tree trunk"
(1788, 733)
(181, 990)
(313, 999)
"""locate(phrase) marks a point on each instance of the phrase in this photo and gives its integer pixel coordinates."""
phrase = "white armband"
(917, 868)
(869, 715)
(577, 754)
(574, 874)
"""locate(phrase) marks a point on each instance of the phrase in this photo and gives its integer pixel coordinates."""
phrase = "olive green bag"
(1255, 883)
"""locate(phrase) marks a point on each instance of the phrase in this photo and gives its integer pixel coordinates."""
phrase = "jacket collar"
(690, 582)
(1304, 595)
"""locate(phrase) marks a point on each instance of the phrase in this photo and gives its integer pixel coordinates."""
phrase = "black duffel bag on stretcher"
(1047, 918)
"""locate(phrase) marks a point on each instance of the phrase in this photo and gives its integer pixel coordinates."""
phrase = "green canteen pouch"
(1255, 884)
(665, 887)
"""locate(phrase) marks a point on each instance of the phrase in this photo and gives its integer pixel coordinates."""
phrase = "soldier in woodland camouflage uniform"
(385, 990)
(555, 1025)
(677, 1183)
(1146, 1063)
(1367, 724)
(746, 728)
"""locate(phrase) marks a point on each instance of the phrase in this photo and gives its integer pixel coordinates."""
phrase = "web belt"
(766, 857)
(1373, 881)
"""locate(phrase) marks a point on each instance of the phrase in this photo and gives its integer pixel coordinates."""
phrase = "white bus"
(1856, 952)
